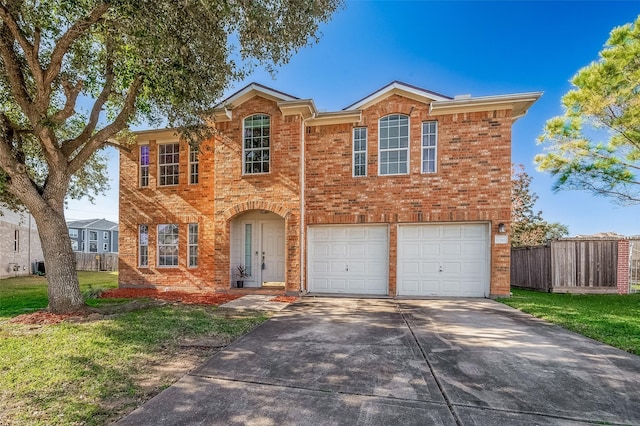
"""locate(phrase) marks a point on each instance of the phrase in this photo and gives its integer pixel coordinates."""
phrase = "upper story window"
(429, 146)
(393, 146)
(73, 232)
(256, 143)
(193, 165)
(168, 163)
(93, 241)
(360, 151)
(144, 165)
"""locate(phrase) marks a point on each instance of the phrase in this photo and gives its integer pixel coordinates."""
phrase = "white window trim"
(353, 151)
(73, 233)
(190, 245)
(422, 148)
(168, 164)
(408, 147)
(244, 173)
(141, 167)
(140, 264)
(191, 163)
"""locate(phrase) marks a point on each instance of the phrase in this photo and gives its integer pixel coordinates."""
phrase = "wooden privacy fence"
(96, 261)
(573, 265)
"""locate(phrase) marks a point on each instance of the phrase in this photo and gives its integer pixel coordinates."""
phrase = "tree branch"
(30, 50)
(14, 74)
(67, 39)
(100, 137)
(69, 147)
(71, 92)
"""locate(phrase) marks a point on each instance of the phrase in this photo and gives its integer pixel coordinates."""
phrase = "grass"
(609, 318)
(93, 372)
(22, 295)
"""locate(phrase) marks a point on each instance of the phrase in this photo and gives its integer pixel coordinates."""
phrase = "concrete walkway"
(401, 362)
(255, 302)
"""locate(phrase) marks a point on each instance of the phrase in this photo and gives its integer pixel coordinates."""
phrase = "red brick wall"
(221, 194)
(472, 182)
(623, 267)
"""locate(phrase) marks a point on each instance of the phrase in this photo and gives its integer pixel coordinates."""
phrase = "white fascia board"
(304, 107)
(338, 117)
(399, 88)
(519, 103)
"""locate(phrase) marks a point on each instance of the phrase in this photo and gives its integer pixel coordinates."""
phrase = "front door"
(272, 254)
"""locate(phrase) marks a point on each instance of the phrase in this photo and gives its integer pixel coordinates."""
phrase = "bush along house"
(406, 192)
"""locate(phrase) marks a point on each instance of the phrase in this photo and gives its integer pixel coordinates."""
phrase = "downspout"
(303, 257)
(29, 247)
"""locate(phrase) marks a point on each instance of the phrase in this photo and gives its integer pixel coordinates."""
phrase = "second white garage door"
(348, 259)
(443, 260)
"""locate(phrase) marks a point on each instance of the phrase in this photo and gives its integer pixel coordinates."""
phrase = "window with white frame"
(256, 144)
(167, 245)
(74, 245)
(168, 164)
(143, 245)
(194, 155)
(105, 235)
(105, 247)
(393, 146)
(360, 151)
(429, 146)
(144, 165)
(93, 241)
(193, 245)
(16, 240)
(73, 233)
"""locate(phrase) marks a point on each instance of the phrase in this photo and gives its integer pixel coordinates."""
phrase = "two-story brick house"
(403, 193)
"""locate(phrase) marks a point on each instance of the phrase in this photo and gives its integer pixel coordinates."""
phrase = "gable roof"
(99, 224)
(398, 88)
(222, 111)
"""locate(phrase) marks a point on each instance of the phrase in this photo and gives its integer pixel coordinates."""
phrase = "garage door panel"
(453, 260)
(358, 258)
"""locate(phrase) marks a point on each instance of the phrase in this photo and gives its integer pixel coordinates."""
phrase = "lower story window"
(143, 245)
(193, 245)
(168, 245)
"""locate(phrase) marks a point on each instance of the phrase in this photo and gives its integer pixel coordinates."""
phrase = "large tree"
(124, 60)
(595, 145)
(527, 226)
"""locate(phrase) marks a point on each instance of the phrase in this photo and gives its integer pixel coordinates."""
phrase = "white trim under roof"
(338, 117)
(398, 88)
(223, 111)
(304, 107)
(518, 102)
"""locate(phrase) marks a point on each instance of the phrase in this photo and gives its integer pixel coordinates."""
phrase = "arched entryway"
(258, 245)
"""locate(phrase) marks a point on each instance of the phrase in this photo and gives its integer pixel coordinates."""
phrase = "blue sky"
(455, 47)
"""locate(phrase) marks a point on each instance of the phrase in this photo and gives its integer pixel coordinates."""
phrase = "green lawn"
(608, 318)
(93, 372)
(22, 295)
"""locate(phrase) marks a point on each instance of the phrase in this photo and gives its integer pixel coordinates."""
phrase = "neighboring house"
(20, 248)
(406, 192)
(93, 236)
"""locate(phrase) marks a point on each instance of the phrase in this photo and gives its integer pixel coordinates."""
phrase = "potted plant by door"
(241, 274)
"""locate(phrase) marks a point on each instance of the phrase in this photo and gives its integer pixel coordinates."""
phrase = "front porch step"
(275, 291)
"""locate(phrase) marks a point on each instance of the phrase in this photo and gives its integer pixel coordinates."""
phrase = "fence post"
(623, 267)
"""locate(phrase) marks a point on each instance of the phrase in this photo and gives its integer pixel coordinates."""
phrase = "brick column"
(623, 267)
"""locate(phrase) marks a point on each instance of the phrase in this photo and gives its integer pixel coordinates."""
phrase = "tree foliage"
(74, 74)
(595, 144)
(527, 226)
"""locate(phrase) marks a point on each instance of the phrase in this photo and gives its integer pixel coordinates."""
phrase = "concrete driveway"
(328, 361)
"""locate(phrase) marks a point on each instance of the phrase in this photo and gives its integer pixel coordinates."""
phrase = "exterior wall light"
(501, 228)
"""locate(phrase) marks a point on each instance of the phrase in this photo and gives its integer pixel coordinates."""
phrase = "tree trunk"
(60, 263)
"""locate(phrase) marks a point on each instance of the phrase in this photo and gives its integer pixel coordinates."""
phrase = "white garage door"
(443, 260)
(348, 259)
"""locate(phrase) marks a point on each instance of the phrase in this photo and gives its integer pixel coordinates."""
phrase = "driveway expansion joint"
(448, 401)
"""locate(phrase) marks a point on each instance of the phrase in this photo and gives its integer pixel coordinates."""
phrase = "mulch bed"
(43, 318)
(171, 296)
